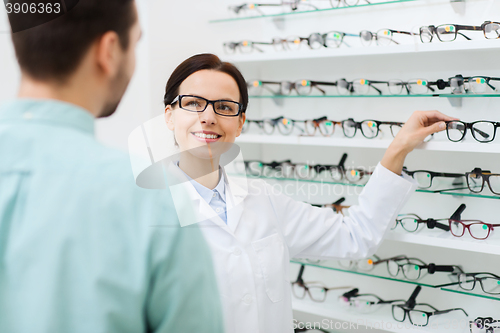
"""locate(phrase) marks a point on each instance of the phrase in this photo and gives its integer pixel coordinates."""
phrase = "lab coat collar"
(186, 197)
(205, 192)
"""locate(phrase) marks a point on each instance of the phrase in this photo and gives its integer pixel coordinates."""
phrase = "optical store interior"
(331, 83)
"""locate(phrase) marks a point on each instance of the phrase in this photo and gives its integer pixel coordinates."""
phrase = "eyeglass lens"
(197, 104)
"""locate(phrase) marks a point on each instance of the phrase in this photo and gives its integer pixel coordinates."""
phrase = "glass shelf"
(368, 274)
(456, 193)
(308, 11)
(464, 292)
(371, 96)
(296, 261)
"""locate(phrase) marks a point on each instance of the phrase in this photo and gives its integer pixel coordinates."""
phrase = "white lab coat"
(265, 230)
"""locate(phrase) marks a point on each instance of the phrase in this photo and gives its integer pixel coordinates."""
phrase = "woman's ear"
(169, 115)
(242, 120)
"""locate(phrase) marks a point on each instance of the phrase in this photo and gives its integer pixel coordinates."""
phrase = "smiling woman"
(252, 231)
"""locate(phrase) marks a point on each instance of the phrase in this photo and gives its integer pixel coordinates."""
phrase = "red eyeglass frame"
(472, 222)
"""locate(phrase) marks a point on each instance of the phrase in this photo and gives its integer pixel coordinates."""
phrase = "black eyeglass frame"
(179, 98)
(358, 125)
(470, 126)
(427, 313)
(433, 175)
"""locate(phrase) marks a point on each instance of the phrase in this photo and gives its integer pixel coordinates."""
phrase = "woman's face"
(205, 134)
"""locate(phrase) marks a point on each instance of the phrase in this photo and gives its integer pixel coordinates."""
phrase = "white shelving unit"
(466, 49)
(473, 147)
(445, 240)
(411, 59)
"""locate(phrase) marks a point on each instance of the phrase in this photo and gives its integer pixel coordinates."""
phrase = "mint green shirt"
(82, 248)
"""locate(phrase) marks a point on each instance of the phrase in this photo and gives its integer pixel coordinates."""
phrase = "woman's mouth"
(206, 136)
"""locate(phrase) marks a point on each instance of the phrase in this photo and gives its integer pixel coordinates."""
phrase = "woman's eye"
(224, 107)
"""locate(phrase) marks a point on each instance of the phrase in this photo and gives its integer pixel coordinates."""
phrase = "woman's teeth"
(206, 136)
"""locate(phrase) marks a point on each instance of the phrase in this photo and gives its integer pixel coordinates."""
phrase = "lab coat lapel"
(236, 192)
(190, 206)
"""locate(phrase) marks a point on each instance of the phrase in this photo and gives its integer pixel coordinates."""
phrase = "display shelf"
(282, 15)
(434, 278)
(444, 239)
(372, 96)
(465, 48)
(452, 193)
(463, 292)
(330, 266)
(381, 319)
(472, 147)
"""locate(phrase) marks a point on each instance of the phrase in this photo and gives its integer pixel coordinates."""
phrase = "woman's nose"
(208, 116)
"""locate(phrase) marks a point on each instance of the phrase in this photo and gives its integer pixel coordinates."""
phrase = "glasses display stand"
(410, 60)
(431, 281)
(472, 147)
(313, 12)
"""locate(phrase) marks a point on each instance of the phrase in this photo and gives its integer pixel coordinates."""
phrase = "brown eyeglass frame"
(485, 175)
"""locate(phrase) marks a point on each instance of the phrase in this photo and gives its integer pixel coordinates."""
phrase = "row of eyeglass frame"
(411, 222)
(294, 5)
(458, 85)
(483, 131)
(369, 128)
(417, 313)
(413, 269)
(475, 180)
(383, 37)
(455, 224)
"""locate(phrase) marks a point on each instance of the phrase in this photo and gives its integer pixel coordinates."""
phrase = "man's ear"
(242, 120)
(109, 53)
(169, 114)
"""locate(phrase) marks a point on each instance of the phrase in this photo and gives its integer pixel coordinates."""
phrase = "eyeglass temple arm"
(449, 175)
(461, 34)
(450, 189)
(404, 32)
(483, 134)
(457, 215)
(378, 90)
(411, 302)
(391, 301)
(237, 9)
(350, 293)
(341, 164)
(449, 310)
(432, 223)
(427, 304)
(299, 276)
(432, 268)
(373, 295)
(469, 27)
(392, 258)
(340, 201)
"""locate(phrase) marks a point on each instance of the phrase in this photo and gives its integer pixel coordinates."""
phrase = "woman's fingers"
(436, 116)
(434, 128)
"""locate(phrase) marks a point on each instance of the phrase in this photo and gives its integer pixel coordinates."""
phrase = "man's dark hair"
(54, 50)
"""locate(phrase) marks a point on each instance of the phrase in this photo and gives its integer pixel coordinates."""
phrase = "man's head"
(91, 47)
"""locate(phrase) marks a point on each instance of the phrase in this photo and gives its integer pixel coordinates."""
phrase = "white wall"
(132, 112)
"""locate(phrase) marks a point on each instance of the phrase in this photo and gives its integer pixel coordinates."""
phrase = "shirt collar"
(205, 192)
(49, 111)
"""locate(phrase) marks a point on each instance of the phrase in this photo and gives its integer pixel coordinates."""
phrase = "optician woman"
(254, 235)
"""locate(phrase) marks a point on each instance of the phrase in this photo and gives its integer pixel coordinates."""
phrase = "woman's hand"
(420, 125)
